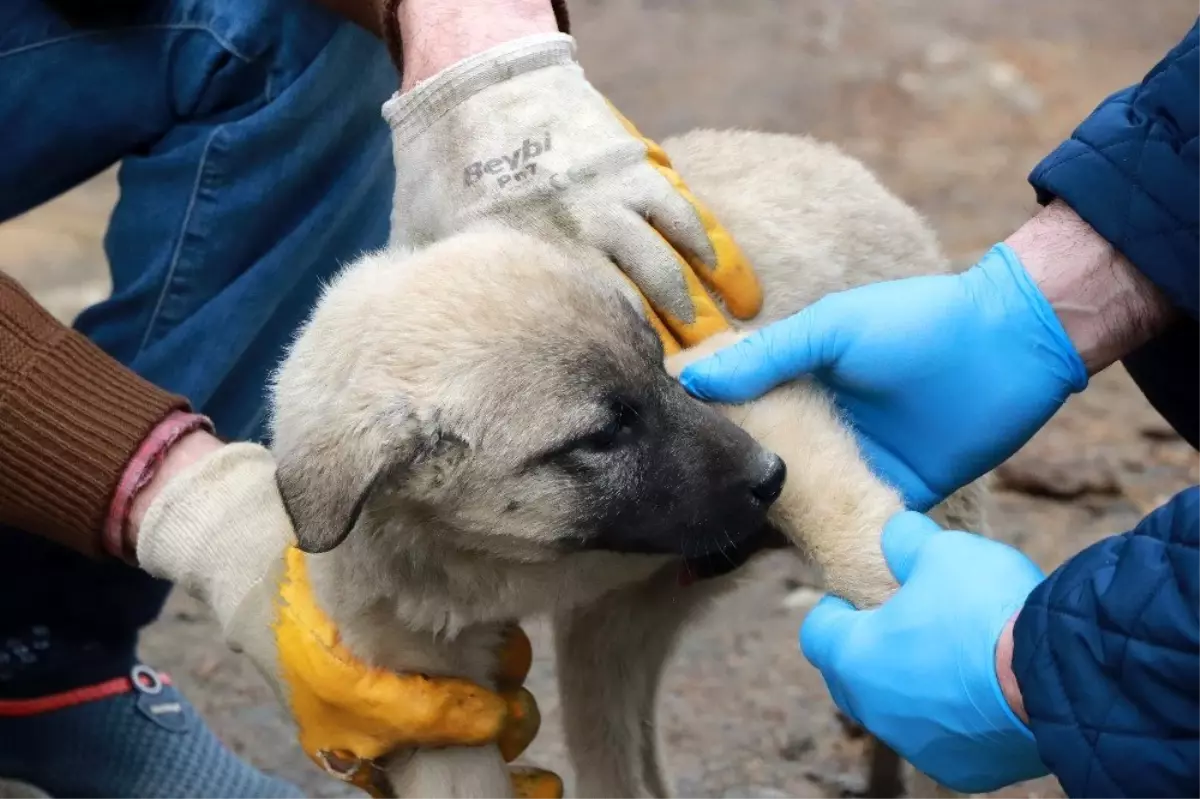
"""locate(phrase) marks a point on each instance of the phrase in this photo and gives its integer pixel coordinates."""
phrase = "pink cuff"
(140, 471)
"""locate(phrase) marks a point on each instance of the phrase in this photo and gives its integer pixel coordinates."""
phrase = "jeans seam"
(178, 252)
(221, 40)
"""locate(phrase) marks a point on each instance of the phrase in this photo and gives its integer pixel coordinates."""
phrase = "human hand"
(922, 671)
(517, 135)
(214, 522)
(943, 378)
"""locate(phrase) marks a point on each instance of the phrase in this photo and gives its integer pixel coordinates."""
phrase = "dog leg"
(456, 772)
(834, 509)
(611, 655)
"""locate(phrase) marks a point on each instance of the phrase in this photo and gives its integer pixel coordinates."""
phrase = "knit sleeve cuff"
(71, 417)
(217, 528)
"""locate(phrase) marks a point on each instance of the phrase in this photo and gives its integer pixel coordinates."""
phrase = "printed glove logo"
(508, 169)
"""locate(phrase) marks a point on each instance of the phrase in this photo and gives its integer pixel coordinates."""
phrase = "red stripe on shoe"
(76, 696)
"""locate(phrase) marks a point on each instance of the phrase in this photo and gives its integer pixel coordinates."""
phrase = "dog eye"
(617, 430)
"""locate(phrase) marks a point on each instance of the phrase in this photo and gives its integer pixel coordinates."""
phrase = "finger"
(667, 282)
(669, 342)
(707, 246)
(824, 628)
(707, 317)
(775, 354)
(340, 704)
(675, 218)
(903, 537)
(520, 726)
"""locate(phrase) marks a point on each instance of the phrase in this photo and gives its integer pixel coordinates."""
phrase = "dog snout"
(768, 484)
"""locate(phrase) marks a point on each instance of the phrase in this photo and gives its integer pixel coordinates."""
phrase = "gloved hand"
(219, 529)
(942, 377)
(516, 134)
(919, 672)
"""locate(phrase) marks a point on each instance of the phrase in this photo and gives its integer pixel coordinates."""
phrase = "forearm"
(438, 33)
(70, 419)
(1107, 307)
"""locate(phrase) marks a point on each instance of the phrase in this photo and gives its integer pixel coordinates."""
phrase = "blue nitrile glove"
(920, 671)
(943, 377)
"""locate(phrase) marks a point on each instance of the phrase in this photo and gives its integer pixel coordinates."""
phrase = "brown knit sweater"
(70, 419)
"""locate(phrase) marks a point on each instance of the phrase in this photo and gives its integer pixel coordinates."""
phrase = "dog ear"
(321, 518)
(326, 486)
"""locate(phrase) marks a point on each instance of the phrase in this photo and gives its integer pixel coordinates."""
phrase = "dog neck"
(407, 593)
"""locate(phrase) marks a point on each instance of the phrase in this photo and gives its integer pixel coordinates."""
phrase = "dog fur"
(406, 413)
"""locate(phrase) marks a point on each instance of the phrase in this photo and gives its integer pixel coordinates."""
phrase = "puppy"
(484, 430)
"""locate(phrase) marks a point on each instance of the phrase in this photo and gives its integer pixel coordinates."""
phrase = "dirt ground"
(951, 103)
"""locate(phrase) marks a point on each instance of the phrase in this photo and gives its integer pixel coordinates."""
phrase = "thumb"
(903, 536)
(775, 354)
(824, 628)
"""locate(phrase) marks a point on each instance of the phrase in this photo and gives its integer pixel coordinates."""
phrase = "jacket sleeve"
(1107, 656)
(1131, 171)
(70, 419)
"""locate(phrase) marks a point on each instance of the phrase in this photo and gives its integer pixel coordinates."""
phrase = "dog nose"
(770, 485)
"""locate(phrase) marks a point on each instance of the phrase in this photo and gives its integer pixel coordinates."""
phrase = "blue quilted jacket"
(1107, 653)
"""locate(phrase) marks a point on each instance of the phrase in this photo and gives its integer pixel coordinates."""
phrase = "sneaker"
(132, 735)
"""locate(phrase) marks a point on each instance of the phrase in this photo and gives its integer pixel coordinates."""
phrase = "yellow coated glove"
(350, 714)
(220, 530)
(517, 135)
(731, 278)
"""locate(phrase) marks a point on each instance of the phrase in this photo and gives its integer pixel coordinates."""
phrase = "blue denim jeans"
(253, 161)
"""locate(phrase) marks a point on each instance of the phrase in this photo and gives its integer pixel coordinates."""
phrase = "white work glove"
(219, 528)
(516, 134)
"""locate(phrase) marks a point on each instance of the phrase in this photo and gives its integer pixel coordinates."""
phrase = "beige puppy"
(484, 430)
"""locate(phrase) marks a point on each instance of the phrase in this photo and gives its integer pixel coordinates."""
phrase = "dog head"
(510, 397)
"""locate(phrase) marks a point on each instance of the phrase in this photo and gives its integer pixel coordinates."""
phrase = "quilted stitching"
(1130, 170)
(1075, 617)
(1135, 184)
(1091, 734)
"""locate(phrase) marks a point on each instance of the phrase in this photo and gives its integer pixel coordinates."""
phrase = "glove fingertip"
(820, 627)
(521, 725)
(733, 278)
(728, 376)
(698, 381)
(903, 536)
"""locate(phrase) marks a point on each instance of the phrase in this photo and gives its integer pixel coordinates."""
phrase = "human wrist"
(436, 34)
(1010, 689)
(1106, 306)
(413, 113)
(176, 442)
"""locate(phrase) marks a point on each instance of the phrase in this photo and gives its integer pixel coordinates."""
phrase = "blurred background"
(951, 103)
